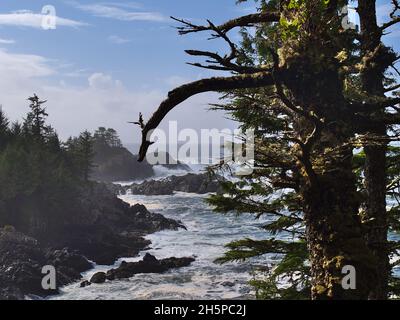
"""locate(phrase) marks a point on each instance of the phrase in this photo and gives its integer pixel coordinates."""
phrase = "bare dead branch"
(225, 62)
(396, 7)
(245, 21)
(392, 88)
(140, 123)
(390, 23)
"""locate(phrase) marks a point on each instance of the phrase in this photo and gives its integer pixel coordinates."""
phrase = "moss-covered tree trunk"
(330, 198)
(375, 215)
(334, 235)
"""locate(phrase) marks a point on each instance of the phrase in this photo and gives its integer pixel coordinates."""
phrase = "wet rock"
(228, 284)
(22, 259)
(85, 284)
(190, 183)
(100, 227)
(99, 277)
(149, 264)
(116, 189)
(69, 259)
(107, 228)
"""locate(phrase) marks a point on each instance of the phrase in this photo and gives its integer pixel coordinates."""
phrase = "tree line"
(41, 177)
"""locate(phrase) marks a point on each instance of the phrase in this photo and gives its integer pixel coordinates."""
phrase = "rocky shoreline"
(102, 230)
(107, 230)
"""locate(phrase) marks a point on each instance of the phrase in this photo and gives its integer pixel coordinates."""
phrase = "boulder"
(99, 277)
(149, 264)
(22, 259)
(85, 284)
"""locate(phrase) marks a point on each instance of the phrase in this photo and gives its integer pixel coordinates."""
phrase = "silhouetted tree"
(35, 122)
(4, 130)
(86, 153)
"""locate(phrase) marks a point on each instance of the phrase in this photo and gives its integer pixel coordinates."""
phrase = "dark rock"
(69, 259)
(22, 259)
(85, 284)
(171, 163)
(148, 258)
(116, 189)
(190, 183)
(228, 284)
(118, 164)
(112, 163)
(99, 227)
(104, 228)
(99, 277)
(149, 264)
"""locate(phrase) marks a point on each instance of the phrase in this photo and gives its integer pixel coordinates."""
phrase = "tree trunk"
(334, 235)
(330, 198)
(374, 216)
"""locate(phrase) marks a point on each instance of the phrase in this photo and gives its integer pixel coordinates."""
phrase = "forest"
(40, 176)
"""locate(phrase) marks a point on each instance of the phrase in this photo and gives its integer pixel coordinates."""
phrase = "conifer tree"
(299, 87)
(4, 130)
(35, 122)
(86, 154)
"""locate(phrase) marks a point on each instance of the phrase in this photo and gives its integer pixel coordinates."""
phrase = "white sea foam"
(205, 238)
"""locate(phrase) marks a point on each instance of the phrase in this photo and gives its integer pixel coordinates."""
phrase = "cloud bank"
(103, 101)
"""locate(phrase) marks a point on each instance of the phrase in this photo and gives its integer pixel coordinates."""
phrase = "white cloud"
(7, 41)
(25, 18)
(119, 11)
(128, 5)
(23, 66)
(103, 81)
(118, 40)
(103, 101)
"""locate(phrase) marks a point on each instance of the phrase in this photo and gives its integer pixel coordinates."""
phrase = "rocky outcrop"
(118, 164)
(149, 264)
(100, 228)
(169, 162)
(191, 183)
(107, 228)
(22, 259)
(115, 188)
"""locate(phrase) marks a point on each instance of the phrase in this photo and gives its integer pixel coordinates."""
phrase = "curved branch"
(244, 21)
(390, 23)
(373, 107)
(180, 94)
(395, 87)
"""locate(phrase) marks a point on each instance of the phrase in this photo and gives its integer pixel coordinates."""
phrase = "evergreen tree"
(109, 137)
(4, 130)
(303, 81)
(35, 123)
(86, 154)
(40, 178)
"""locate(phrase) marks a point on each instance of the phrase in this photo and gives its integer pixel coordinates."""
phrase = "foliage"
(39, 176)
(272, 190)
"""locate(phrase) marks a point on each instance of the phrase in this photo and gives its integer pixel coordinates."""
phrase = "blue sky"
(106, 61)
